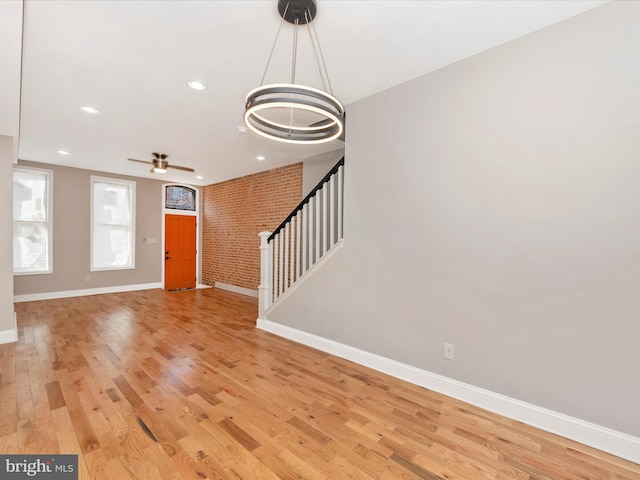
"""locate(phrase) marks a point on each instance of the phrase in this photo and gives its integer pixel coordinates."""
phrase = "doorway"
(180, 252)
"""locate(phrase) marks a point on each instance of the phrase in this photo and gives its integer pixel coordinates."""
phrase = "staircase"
(312, 229)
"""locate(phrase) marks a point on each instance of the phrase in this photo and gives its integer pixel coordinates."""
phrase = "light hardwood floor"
(227, 401)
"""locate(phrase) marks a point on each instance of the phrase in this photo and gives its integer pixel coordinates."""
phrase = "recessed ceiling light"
(260, 157)
(199, 177)
(89, 109)
(63, 152)
(242, 129)
(196, 85)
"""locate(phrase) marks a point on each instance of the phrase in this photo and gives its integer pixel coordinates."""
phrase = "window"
(32, 227)
(112, 223)
(178, 197)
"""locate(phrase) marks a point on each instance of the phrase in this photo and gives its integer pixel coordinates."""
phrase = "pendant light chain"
(295, 51)
(273, 48)
(293, 69)
(324, 66)
(307, 16)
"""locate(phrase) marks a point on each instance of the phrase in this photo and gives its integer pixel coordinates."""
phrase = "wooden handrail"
(306, 199)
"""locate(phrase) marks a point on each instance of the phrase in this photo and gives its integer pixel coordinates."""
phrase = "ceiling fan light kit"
(290, 112)
(161, 164)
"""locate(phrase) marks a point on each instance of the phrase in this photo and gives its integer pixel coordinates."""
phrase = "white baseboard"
(87, 291)
(10, 335)
(233, 288)
(601, 438)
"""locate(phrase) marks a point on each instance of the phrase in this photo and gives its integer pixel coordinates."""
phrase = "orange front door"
(180, 252)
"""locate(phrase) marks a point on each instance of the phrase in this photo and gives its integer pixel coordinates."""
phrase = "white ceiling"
(132, 59)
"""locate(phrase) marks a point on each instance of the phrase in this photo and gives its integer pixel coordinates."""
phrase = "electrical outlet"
(87, 278)
(449, 351)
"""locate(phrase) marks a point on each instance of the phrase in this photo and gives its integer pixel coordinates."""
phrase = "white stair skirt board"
(87, 291)
(233, 288)
(303, 278)
(605, 439)
(10, 335)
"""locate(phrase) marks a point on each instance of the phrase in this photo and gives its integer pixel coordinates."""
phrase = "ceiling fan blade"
(140, 161)
(159, 161)
(186, 169)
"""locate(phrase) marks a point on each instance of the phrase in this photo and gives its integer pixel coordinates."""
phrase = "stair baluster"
(312, 229)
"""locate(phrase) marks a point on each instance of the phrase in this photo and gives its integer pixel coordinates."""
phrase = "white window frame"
(132, 195)
(49, 223)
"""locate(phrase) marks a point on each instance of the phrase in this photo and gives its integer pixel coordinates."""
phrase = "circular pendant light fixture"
(290, 112)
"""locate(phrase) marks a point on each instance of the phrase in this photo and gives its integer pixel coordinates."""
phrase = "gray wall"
(316, 167)
(495, 205)
(10, 57)
(6, 238)
(71, 235)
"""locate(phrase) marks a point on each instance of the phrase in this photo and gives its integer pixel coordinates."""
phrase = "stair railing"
(311, 230)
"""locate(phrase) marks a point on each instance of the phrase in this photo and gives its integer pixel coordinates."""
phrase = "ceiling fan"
(160, 163)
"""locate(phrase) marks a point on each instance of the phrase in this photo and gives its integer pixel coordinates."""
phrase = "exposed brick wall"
(235, 212)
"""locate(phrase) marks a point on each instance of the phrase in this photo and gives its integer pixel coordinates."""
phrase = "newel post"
(264, 289)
